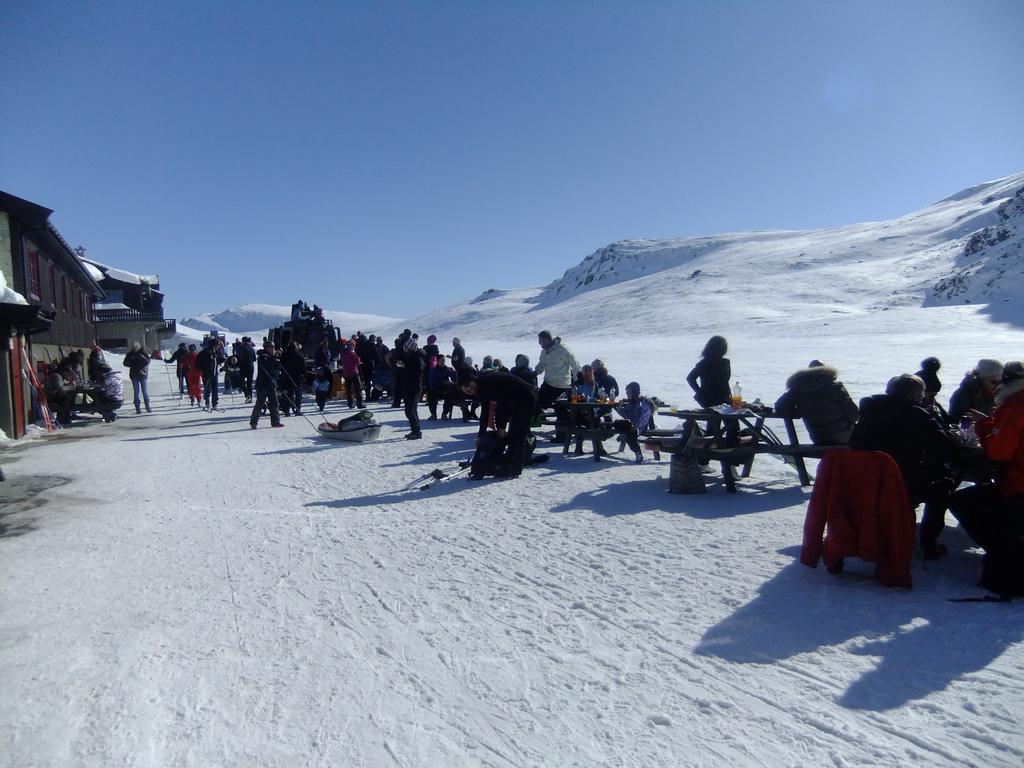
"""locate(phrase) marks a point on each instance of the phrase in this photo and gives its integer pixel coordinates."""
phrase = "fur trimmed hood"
(1009, 390)
(811, 379)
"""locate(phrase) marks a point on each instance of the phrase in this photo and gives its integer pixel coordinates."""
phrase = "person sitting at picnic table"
(586, 386)
(637, 415)
(896, 424)
(993, 515)
(929, 374)
(604, 379)
(523, 370)
(977, 391)
(60, 393)
(815, 395)
(709, 378)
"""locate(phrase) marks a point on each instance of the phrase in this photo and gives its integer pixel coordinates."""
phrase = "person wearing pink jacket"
(350, 373)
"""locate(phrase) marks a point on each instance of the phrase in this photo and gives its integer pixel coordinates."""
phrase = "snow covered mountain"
(968, 248)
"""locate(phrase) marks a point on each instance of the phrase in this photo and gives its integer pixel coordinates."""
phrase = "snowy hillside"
(967, 248)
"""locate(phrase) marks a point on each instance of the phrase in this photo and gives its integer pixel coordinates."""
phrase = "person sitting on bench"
(816, 395)
(60, 393)
(895, 423)
(637, 415)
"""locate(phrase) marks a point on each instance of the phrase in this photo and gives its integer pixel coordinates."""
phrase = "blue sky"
(395, 157)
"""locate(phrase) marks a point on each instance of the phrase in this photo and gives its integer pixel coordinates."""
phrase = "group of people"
(932, 447)
(905, 421)
(73, 376)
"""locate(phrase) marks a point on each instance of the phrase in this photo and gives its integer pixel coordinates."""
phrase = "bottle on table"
(737, 396)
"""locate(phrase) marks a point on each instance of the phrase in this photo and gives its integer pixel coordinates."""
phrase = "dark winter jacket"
(907, 433)
(713, 374)
(96, 359)
(509, 392)
(322, 359)
(294, 365)
(268, 374)
(970, 395)
(607, 382)
(828, 411)
(458, 357)
(138, 364)
(412, 373)
(439, 379)
(246, 357)
(525, 373)
(178, 357)
(429, 351)
(207, 362)
(365, 350)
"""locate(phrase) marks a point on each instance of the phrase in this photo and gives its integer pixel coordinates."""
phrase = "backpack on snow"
(487, 457)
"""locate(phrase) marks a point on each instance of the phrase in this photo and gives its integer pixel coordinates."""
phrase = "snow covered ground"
(177, 590)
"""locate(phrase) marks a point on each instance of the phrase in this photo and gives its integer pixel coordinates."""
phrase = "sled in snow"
(358, 428)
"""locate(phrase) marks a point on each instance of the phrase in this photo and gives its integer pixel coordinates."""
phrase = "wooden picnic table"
(727, 443)
(597, 431)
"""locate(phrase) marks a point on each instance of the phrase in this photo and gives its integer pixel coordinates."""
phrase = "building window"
(32, 274)
(64, 293)
(53, 285)
(88, 309)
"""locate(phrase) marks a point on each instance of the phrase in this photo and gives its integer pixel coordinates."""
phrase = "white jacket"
(558, 365)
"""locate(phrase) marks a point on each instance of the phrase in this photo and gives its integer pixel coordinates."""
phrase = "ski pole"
(170, 384)
(294, 385)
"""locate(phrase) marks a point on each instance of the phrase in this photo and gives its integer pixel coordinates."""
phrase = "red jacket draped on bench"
(861, 497)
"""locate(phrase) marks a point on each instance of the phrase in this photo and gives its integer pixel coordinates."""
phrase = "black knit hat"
(929, 374)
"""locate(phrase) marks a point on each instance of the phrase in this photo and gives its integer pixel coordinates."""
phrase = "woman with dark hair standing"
(712, 372)
(411, 379)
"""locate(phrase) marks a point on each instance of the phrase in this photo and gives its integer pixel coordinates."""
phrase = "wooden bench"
(740, 455)
(595, 434)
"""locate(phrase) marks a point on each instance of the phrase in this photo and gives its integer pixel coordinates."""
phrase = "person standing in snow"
(179, 359)
(269, 371)
(458, 356)
(293, 376)
(247, 366)
(137, 361)
(350, 363)
(208, 362)
(440, 379)
(559, 367)
(412, 377)
(193, 376)
(322, 388)
(709, 378)
(366, 348)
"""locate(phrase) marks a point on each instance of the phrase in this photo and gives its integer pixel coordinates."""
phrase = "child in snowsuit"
(322, 387)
